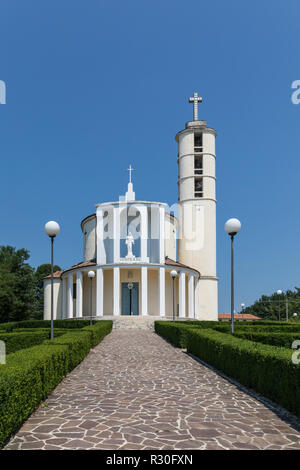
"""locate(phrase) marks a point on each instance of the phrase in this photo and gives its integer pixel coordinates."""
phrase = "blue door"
(130, 298)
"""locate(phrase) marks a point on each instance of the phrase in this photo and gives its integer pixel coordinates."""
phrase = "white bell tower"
(197, 209)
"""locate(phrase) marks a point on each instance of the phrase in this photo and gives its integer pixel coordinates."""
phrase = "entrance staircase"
(134, 322)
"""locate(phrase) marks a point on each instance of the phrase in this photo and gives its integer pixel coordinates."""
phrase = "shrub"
(70, 323)
(16, 341)
(174, 332)
(29, 375)
(255, 365)
(283, 340)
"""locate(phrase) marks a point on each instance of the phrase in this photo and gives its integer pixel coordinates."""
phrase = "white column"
(116, 300)
(70, 295)
(161, 232)
(197, 299)
(144, 232)
(144, 276)
(191, 296)
(116, 228)
(182, 294)
(99, 292)
(101, 255)
(78, 294)
(63, 298)
(162, 292)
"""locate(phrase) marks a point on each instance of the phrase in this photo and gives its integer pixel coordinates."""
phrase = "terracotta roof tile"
(238, 316)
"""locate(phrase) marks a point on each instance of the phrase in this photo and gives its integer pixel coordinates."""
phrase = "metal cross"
(195, 99)
(130, 169)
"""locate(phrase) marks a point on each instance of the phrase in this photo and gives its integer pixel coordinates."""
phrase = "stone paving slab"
(136, 391)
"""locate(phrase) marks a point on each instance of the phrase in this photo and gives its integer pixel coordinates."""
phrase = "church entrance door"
(130, 298)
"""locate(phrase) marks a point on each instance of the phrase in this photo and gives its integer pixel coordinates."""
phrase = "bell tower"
(197, 209)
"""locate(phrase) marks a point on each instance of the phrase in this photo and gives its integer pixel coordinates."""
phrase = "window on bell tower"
(198, 187)
(198, 165)
(198, 145)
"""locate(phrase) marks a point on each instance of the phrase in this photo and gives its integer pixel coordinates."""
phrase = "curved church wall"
(89, 238)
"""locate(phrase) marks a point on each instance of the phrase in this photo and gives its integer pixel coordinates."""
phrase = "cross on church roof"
(195, 99)
(130, 169)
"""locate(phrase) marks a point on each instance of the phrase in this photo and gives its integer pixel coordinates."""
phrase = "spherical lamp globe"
(232, 226)
(52, 228)
(91, 274)
(173, 273)
(279, 292)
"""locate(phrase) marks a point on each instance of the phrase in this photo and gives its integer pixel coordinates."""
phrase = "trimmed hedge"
(70, 323)
(16, 341)
(29, 375)
(284, 340)
(175, 332)
(267, 369)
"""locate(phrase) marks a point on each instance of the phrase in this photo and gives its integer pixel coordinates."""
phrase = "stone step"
(137, 323)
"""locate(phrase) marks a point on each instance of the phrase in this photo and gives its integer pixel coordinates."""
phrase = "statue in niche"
(129, 242)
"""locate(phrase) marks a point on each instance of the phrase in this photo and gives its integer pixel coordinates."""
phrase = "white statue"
(129, 242)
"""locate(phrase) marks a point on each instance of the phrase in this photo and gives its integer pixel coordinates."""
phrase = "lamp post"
(242, 307)
(232, 227)
(173, 274)
(91, 275)
(279, 292)
(52, 229)
(130, 287)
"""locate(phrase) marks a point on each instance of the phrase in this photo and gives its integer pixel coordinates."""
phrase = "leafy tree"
(272, 306)
(42, 271)
(17, 290)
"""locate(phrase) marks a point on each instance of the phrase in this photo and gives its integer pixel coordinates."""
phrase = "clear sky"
(95, 85)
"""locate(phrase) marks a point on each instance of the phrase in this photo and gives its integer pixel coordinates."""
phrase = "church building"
(141, 258)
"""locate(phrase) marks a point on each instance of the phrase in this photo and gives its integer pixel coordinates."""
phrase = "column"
(101, 255)
(182, 294)
(70, 295)
(191, 295)
(144, 232)
(116, 228)
(99, 292)
(197, 299)
(144, 276)
(116, 300)
(161, 235)
(78, 294)
(162, 292)
(63, 298)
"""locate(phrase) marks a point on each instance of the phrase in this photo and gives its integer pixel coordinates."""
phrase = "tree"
(17, 289)
(272, 306)
(42, 271)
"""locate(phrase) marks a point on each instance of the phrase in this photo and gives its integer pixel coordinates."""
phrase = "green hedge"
(16, 341)
(175, 332)
(71, 323)
(267, 369)
(283, 340)
(29, 375)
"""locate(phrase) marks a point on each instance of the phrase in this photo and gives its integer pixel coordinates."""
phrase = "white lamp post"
(173, 274)
(52, 229)
(232, 227)
(91, 275)
(279, 293)
(242, 307)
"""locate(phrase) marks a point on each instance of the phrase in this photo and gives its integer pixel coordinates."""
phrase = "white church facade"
(132, 246)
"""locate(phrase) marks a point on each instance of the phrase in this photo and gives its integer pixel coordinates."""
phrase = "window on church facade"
(198, 146)
(198, 165)
(198, 187)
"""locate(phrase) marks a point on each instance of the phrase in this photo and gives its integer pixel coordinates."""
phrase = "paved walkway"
(135, 391)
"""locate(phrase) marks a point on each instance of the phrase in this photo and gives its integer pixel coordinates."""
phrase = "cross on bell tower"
(195, 99)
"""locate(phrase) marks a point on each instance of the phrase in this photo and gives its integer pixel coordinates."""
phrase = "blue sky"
(93, 86)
